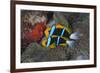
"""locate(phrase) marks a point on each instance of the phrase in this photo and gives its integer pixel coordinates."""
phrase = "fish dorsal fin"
(68, 28)
(59, 26)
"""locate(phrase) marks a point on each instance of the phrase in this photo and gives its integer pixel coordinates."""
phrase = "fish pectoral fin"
(44, 43)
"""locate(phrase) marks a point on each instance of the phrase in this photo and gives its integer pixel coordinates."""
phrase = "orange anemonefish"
(59, 35)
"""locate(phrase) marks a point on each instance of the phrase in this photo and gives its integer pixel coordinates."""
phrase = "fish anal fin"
(52, 45)
(64, 44)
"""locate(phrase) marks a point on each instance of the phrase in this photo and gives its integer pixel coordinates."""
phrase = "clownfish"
(59, 35)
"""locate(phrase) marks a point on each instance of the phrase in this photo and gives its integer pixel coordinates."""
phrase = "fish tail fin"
(71, 43)
(75, 36)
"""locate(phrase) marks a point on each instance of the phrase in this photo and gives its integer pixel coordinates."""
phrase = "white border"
(57, 63)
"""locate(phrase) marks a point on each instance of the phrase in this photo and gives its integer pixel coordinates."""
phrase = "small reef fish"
(59, 35)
